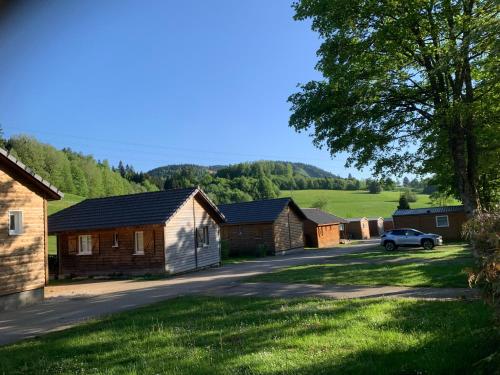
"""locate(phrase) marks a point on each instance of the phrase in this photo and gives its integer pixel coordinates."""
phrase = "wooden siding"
(22, 257)
(180, 252)
(359, 230)
(243, 239)
(108, 260)
(288, 231)
(388, 225)
(376, 227)
(427, 224)
(321, 236)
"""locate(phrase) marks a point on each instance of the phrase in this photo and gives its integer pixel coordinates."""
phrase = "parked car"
(392, 239)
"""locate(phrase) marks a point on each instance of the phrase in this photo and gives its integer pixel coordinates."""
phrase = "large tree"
(409, 86)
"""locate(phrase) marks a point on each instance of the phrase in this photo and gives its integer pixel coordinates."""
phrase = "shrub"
(374, 187)
(320, 203)
(261, 250)
(411, 196)
(483, 230)
(224, 249)
(403, 203)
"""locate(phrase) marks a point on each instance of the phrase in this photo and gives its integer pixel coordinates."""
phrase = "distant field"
(53, 207)
(354, 203)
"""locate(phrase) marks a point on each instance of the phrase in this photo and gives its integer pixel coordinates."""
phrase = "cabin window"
(15, 222)
(341, 227)
(442, 221)
(85, 244)
(202, 238)
(115, 239)
(139, 243)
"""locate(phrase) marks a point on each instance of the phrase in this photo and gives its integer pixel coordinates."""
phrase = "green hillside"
(354, 203)
(67, 201)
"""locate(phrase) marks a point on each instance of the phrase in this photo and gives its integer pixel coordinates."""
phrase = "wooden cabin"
(170, 231)
(358, 229)
(388, 224)
(446, 221)
(321, 229)
(23, 233)
(376, 226)
(274, 224)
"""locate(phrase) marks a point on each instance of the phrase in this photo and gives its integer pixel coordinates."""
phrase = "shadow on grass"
(267, 336)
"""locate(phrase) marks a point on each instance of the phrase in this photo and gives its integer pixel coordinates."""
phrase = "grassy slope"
(354, 203)
(445, 269)
(202, 335)
(54, 206)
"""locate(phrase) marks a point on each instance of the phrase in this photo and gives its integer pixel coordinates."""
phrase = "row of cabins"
(171, 231)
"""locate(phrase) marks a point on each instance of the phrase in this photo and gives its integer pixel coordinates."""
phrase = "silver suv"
(409, 237)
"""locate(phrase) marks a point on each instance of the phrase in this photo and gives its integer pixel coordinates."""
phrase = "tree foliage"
(73, 172)
(409, 86)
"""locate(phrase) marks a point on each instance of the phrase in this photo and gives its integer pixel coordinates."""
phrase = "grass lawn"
(201, 335)
(445, 269)
(354, 203)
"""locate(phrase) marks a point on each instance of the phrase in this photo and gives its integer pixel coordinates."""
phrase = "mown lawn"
(198, 335)
(354, 203)
(444, 268)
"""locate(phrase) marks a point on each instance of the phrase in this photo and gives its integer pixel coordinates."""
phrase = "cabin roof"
(321, 217)
(354, 219)
(43, 187)
(261, 211)
(428, 211)
(127, 210)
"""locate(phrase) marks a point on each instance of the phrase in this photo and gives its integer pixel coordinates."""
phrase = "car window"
(412, 233)
(398, 232)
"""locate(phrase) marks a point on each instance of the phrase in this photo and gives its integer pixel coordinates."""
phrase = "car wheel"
(427, 244)
(390, 246)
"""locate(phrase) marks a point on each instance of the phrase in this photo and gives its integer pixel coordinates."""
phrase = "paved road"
(339, 291)
(68, 305)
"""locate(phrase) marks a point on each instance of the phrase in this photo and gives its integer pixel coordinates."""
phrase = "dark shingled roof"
(321, 217)
(125, 210)
(48, 190)
(428, 210)
(263, 211)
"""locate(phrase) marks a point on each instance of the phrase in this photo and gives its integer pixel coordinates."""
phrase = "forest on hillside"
(73, 172)
(83, 175)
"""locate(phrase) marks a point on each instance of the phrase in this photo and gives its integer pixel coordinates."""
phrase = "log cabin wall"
(22, 257)
(245, 238)
(106, 259)
(328, 235)
(427, 224)
(288, 231)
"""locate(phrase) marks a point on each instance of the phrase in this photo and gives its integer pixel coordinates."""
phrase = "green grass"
(354, 203)
(445, 268)
(201, 335)
(53, 207)
(68, 200)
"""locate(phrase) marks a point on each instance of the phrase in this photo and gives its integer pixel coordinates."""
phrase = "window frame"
(202, 240)
(19, 222)
(88, 243)
(447, 221)
(138, 251)
(115, 240)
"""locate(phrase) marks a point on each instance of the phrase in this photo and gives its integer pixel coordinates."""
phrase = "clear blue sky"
(159, 82)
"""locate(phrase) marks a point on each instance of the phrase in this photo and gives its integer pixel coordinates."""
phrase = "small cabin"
(358, 229)
(376, 226)
(274, 224)
(23, 233)
(446, 221)
(321, 229)
(164, 232)
(388, 224)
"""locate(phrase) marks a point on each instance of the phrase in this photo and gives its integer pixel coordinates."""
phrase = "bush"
(320, 203)
(261, 250)
(403, 203)
(483, 231)
(411, 196)
(374, 187)
(224, 249)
